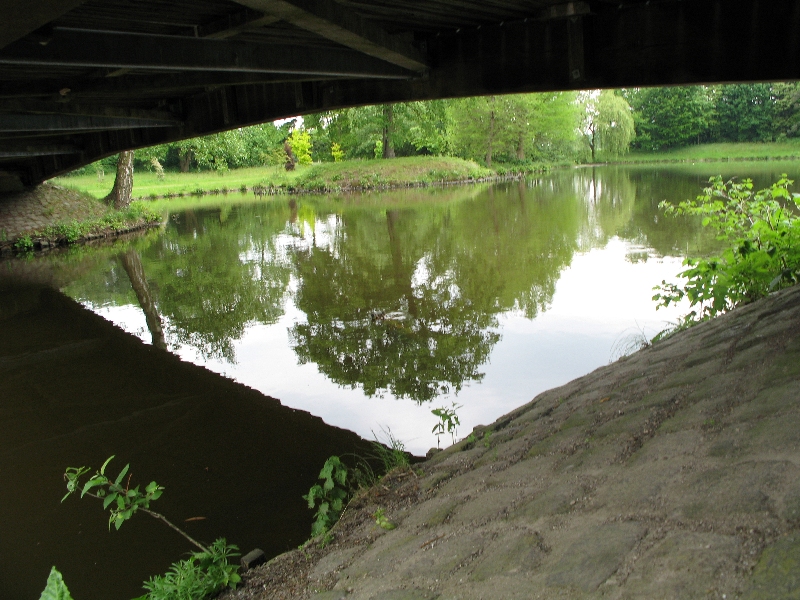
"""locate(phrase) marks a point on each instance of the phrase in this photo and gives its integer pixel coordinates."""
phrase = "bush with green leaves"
(331, 495)
(202, 575)
(762, 230)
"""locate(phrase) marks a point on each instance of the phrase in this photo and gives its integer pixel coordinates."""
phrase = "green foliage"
(513, 128)
(56, 589)
(745, 112)
(331, 495)
(787, 109)
(300, 142)
(202, 575)
(117, 496)
(24, 243)
(762, 231)
(391, 452)
(448, 421)
(670, 117)
(336, 152)
(382, 521)
(607, 123)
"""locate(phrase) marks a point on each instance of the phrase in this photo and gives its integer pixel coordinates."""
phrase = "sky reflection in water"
(530, 285)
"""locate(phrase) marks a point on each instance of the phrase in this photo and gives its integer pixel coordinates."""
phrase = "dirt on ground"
(46, 204)
(672, 473)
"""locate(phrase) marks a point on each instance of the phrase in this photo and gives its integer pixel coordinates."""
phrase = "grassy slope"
(146, 183)
(719, 152)
(342, 175)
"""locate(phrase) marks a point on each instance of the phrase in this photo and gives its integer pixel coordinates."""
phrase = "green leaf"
(109, 499)
(56, 589)
(122, 474)
(105, 464)
(93, 482)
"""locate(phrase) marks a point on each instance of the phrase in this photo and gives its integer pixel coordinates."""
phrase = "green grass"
(345, 175)
(718, 152)
(146, 184)
(397, 172)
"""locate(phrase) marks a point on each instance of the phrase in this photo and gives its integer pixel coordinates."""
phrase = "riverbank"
(49, 215)
(721, 152)
(344, 176)
(674, 472)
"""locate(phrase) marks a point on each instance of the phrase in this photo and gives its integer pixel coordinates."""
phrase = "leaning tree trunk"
(120, 196)
(132, 263)
(388, 131)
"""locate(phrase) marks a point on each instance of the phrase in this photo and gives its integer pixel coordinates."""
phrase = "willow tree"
(608, 123)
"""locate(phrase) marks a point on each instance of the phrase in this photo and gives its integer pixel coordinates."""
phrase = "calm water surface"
(367, 311)
(371, 310)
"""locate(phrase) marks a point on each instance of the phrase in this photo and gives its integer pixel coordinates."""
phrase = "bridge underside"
(80, 80)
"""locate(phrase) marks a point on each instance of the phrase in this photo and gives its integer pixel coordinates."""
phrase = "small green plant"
(331, 495)
(202, 575)
(448, 422)
(763, 231)
(24, 243)
(486, 439)
(55, 589)
(390, 451)
(382, 521)
(3, 235)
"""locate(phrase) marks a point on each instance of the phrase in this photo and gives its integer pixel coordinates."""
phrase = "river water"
(371, 310)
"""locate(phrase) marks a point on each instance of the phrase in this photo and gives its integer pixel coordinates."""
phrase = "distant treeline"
(515, 129)
(673, 117)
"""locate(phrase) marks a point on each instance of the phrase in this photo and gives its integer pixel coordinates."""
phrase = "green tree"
(787, 109)
(746, 112)
(402, 129)
(300, 143)
(607, 123)
(671, 117)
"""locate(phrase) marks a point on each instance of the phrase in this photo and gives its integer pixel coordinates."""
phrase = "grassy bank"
(48, 216)
(147, 184)
(323, 177)
(717, 152)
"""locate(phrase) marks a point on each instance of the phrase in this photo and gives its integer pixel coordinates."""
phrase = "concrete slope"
(673, 473)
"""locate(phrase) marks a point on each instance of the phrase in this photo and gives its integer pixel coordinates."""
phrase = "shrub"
(763, 230)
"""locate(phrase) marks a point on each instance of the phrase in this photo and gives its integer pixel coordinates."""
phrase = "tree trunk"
(132, 263)
(403, 274)
(491, 137)
(120, 196)
(521, 146)
(388, 130)
(185, 161)
(592, 142)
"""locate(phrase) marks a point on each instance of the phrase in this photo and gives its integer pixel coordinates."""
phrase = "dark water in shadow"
(76, 390)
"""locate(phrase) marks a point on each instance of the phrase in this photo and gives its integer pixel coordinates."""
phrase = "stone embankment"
(672, 473)
(31, 212)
